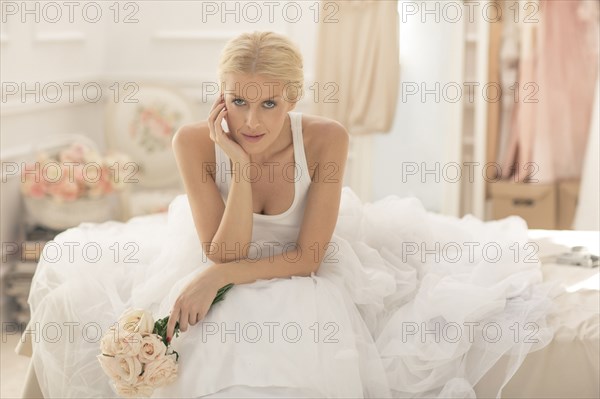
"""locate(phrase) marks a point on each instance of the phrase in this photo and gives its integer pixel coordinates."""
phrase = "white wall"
(166, 42)
(423, 131)
(170, 43)
(45, 53)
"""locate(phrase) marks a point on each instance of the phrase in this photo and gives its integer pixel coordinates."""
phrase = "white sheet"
(569, 367)
(543, 373)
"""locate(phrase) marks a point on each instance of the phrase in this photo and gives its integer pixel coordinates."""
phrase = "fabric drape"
(587, 216)
(558, 69)
(357, 65)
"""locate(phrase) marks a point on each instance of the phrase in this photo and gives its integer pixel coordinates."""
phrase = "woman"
(331, 297)
(262, 213)
(264, 145)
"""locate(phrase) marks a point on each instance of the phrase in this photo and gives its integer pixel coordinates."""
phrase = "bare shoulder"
(195, 137)
(324, 139)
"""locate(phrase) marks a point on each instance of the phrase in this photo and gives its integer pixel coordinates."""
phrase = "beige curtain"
(357, 68)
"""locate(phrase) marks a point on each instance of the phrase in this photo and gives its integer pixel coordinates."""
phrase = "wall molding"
(59, 37)
(186, 35)
(191, 88)
(202, 35)
(15, 106)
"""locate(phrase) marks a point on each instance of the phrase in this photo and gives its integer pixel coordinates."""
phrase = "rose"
(134, 391)
(64, 190)
(102, 186)
(35, 190)
(109, 344)
(161, 371)
(124, 369)
(137, 320)
(152, 348)
(52, 172)
(121, 342)
(92, 156)
(105, 181)
(73, 153)
(32, 183)
(63, 177)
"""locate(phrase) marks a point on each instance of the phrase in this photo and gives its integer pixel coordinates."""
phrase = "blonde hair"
(268, 54)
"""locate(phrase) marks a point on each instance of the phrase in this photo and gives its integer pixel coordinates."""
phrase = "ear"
(291, 106)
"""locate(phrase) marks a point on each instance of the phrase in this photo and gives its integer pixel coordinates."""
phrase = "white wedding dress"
(362, 326)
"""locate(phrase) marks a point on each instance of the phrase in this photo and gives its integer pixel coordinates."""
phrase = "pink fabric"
(563, 63)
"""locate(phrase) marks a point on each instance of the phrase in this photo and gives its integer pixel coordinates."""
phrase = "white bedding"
(568, 367)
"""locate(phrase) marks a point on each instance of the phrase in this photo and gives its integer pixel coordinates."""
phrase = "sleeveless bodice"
(275, 230)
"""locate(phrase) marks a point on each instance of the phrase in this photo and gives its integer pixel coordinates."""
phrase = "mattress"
(568, 367)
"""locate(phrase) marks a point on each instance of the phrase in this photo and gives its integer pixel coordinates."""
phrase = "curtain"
(510, 53)
(558, 71)
(357, 66)
(587, 216)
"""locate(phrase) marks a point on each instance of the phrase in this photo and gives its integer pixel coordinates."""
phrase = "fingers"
(215, 117)
(194, 318)
(216, 130)
(216, 106)
(189, 318)
(212, 119)
(220, 98)
(173, 319)
(215, 111)
(183, 320)
(219, 121)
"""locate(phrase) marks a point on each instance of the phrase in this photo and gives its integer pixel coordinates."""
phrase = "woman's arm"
(318, 224)
(224, 230)
(231, 240)
(244, 271)
(320, 218)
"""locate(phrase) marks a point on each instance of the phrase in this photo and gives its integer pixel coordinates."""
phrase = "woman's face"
(256, 106)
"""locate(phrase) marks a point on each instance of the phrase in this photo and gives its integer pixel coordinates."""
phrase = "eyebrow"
(242, 98)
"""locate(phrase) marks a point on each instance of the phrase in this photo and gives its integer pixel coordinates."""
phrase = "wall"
(175, 43)
(424, 131)
(170, 43)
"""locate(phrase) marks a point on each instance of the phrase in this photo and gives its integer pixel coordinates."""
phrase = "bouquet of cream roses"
(136, 354)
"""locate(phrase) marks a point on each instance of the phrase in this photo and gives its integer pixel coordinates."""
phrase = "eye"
(237, 99)
(270, 102)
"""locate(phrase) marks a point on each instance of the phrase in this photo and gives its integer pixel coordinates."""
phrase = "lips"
(253, 138)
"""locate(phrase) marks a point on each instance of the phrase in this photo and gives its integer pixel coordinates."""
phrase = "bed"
(569, 367)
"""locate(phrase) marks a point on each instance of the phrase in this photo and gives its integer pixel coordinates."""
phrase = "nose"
(252, 120)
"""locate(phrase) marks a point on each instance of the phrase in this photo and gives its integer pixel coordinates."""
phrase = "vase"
(52, 214)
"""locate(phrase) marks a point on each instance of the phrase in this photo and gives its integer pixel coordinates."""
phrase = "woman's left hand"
(195, 300)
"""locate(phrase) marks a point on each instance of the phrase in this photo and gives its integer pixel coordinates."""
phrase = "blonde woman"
(331, 297)
(263, 173)
(264, 185)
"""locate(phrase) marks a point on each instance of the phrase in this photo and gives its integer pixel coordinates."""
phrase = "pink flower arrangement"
(77, 172)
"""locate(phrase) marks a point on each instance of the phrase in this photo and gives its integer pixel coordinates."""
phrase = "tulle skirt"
(412, 304)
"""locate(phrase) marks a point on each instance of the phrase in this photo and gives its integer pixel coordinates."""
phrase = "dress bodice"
(278, 230)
